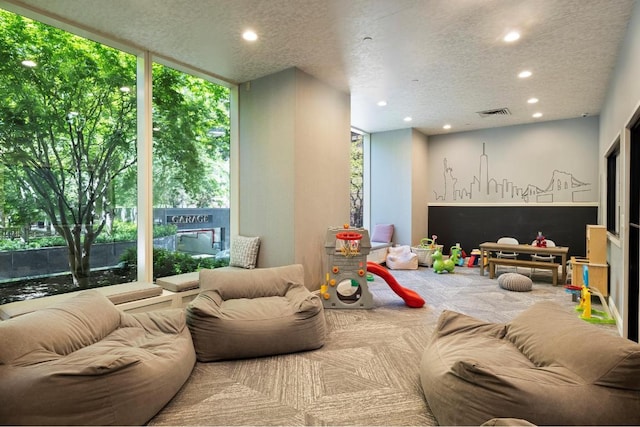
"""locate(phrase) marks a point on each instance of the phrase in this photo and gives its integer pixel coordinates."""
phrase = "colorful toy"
(440, 265)
(473, 258)
(454, 254)
(541, 241)
(457, 254)
(588, 313)
(345, 284)
(425, 250)
(427, 243)
(410, 297)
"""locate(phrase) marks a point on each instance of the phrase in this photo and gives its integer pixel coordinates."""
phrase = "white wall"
(294, 167)
(500, 165)
(399, 183)
(622, 102)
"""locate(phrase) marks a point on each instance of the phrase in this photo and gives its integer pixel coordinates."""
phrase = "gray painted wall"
(267, 175)
(391, 182)
(621, 104)
(517, 164)
(294, 167)
(399, 184)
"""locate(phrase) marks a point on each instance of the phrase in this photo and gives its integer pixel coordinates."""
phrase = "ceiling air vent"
(495, 112)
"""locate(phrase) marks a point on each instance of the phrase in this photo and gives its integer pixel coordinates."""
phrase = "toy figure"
(541, 241)
(440, 265)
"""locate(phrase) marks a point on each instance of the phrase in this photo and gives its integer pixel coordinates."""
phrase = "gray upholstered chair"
(84, 362)
(251, 313)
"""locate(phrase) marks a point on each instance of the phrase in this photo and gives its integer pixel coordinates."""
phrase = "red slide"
(410, 297)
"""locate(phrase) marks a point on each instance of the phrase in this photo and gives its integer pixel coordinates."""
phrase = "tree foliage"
(68, 134)
(357, 180)
(191, 123)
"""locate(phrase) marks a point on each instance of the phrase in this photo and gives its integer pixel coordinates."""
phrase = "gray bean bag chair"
(251, 313)
(84, 362)
(546, 366)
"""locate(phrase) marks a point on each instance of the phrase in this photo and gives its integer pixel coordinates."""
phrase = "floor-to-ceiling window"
(68, 147)
(69, 164)
(356, 193)
(191, 138)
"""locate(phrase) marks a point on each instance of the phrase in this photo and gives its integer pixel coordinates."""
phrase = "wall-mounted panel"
(472, 225)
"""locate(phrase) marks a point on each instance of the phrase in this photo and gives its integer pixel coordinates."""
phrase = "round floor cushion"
(515, 282)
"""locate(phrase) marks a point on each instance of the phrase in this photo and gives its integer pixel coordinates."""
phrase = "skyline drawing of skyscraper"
(562, 186)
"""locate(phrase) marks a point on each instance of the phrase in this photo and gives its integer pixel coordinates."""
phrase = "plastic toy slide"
(410, 297)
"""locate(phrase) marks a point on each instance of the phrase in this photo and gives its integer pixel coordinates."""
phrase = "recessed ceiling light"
(250, 36)
(524, 74)
(382, 103)
(447, 126)
(407, 119)
(537, 115)
(532, 100)
(28, 63)
(511, 36)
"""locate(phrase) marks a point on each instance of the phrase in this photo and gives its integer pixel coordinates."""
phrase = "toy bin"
(424, 254)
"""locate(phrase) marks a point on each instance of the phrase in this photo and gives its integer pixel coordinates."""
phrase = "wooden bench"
(553, 266)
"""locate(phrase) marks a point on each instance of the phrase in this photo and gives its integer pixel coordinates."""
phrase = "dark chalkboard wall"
(472, 225)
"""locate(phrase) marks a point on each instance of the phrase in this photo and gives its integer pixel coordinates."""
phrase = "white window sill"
(121, 295)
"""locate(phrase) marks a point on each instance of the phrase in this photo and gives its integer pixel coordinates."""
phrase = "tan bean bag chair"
(84, 362)
(546, 366)
(251, 313)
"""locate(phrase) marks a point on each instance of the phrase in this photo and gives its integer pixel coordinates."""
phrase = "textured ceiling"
(438, 61)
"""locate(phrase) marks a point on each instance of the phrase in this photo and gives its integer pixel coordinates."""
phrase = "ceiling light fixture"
(250, 36)
(367, 39)
(447, 126)
(511, 36)
(532, 100)
(525, 74)
(382, 103)
(407, 119)
(537, 115)
(28, 63)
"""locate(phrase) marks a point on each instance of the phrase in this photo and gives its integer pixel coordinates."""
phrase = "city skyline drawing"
(561, 186)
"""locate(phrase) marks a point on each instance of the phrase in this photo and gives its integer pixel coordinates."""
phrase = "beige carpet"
(367, 372)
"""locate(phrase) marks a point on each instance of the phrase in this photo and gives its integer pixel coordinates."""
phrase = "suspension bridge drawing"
(561, 186)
